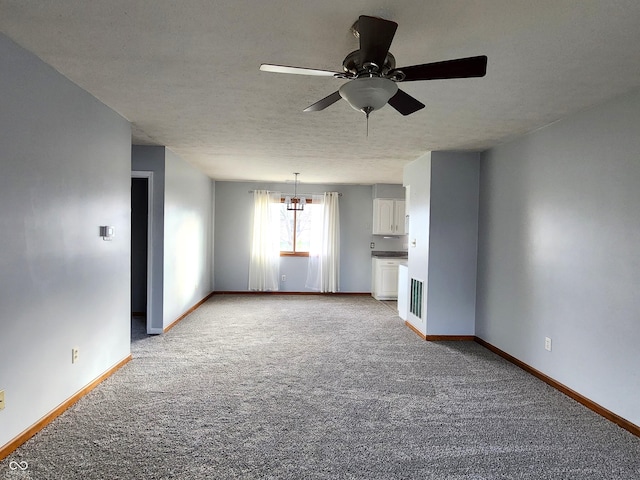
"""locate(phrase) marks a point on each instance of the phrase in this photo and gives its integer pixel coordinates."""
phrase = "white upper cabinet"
(388, 216)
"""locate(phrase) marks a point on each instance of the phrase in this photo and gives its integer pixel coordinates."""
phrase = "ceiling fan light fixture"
(367, 94)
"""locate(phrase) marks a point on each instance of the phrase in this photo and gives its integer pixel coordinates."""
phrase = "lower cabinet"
(384, 284)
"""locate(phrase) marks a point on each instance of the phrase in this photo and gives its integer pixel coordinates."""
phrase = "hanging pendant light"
(295, 202)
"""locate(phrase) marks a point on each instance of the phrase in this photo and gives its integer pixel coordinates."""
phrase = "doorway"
(141, 253)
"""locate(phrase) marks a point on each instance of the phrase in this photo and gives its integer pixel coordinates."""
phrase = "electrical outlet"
(372, 245)
(284, 278)
(75, 353)
(1, 399)
(547, 344)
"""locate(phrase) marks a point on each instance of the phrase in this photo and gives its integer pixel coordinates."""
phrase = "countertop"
(389, 254)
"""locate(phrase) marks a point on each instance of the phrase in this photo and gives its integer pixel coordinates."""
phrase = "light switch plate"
(1, 399)
(107, 232)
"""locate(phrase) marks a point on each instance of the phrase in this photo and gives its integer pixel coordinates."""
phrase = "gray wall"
(453, 243)
(66, 169)
(559, 252)
(151, 159)
(233, 213)
(388, 190)
(182, 233)
(187, 237)
(443, 212)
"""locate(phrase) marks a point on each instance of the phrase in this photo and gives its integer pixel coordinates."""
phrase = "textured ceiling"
(186, 75)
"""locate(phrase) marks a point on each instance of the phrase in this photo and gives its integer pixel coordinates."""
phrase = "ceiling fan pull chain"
(367, 111)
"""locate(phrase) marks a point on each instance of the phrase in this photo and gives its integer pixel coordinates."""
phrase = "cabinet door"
(389, 279)
(383, 216)
(399, 216)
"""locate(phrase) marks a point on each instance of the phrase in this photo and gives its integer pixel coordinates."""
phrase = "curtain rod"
(299, 194)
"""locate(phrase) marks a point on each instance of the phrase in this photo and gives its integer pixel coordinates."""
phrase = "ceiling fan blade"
(458, 68)
(376, 35)
(405, 103)
(266, 67)
(324, 103)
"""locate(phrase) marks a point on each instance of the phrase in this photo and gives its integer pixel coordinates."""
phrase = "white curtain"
(323, 273)
(264, 264)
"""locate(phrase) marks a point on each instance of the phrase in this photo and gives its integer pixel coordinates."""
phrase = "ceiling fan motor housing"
(354, 64)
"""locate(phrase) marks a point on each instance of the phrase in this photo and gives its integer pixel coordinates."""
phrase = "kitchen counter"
(389, 254)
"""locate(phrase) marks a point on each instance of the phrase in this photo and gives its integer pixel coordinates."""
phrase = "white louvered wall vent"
(415, 305)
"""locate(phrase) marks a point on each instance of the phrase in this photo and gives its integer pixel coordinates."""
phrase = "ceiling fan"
(373, 74)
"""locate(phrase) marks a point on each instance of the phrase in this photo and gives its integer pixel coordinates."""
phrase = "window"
(295, 229)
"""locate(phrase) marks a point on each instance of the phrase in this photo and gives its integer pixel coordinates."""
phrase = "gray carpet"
(321, 388)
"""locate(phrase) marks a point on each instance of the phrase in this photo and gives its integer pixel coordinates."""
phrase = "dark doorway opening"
(139, 255)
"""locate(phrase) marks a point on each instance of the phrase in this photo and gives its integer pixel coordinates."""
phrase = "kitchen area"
(389, 274)
(434, 215)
